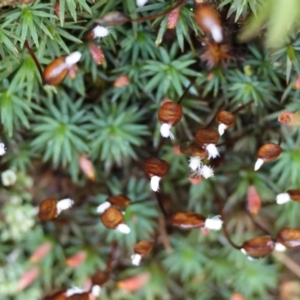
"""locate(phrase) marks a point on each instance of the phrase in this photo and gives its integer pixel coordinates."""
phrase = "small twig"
(34, 59)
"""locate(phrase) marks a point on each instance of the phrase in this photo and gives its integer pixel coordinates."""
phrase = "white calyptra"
(74, 290)
(283, 198)
(154, 183)
(212, 151)
(136, 259)
(214, 223)
(216, 32)
(96, 289)
(73, 58)
(215, 29)
(63, 205)
(123, 228)
(8, 177)
(103, 207)
(206, 172)
(100, 31)
(279, 247)
(195, 163)
(2, 149)
(165, 131)
(245, 253)
(222, 127)
(140, 3)
(258, 164)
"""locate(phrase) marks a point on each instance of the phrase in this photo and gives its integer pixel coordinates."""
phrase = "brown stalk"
(242, 107)
(26, 44)
(186, 90)
(164, 235)
(257, 224)
(111, 257)
(225, 231)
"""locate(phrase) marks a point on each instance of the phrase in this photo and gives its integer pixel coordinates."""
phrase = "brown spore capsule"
(47, 209)
(187, 220)
(209, 21)
(89, 35)
(143, 247)
(58, 69)
(289, 237)
(155, 167)
(100, 278)
(119, 201)
(207, 136)
(112, 217)
(193, 148)
(114, 18)
(170, 113)
(55, 72)
(269, 152)
(294, 194)
(225, 117)
(259, 247)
